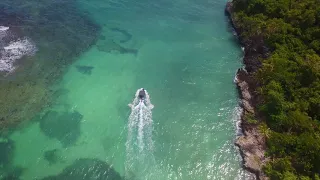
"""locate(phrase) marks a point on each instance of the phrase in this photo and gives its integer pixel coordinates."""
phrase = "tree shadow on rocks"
(87, 169)
(65, 127)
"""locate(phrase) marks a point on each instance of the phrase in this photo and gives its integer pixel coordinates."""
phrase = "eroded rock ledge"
(252, 142)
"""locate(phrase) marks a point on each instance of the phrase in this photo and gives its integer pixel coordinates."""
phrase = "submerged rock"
(52, 156)
(111, 46)
(87, 70)
(21, 100)
(13, 174)
(125, 33)
(102, 37)
(59, 92)
(64, 127)
(6, 151)
(87, 169)
(11, 177)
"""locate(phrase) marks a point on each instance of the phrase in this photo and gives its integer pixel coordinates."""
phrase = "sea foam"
(14, 50)
(3, 28)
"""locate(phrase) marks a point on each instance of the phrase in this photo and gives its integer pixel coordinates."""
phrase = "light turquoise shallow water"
(186, 60)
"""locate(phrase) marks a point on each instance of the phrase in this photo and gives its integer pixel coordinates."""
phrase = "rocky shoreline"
(251, 143)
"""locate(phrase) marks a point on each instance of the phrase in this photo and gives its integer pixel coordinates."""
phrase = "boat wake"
(139, 145)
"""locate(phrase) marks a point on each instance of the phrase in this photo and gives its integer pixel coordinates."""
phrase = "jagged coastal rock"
(252, 142)
(246, 96)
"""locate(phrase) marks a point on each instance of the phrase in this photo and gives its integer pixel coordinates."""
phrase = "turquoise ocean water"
(182, 52)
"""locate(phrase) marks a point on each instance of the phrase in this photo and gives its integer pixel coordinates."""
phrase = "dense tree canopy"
(289, 81)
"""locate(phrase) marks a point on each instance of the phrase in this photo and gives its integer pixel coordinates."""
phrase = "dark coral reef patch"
(60, 32)
(126, 35)
(13, 173)
(86, 70)
(64, 127)
(21, 100)
(53, 156)
(6, 151)
(87, 169)
(111, 46)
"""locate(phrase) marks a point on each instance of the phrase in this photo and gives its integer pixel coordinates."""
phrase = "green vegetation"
(249, 117)
(289, 81)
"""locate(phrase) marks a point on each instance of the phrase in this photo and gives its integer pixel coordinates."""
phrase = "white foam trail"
(14, 51)
(139, 145)
(140, 120)
(141, 124)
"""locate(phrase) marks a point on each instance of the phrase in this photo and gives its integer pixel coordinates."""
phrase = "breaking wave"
(3, 28)
(14, 50)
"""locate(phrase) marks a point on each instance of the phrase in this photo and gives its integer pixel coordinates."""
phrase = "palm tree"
(265, 131)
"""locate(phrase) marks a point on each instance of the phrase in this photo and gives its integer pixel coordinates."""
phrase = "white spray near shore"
(14, 50)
